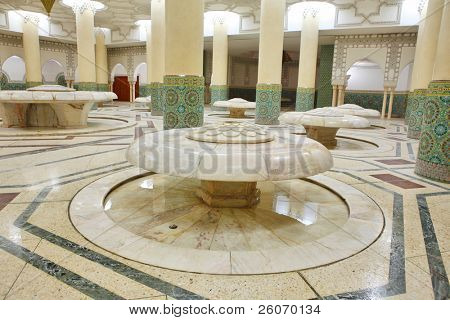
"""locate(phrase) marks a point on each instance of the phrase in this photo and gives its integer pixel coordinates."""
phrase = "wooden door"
(121, 87)
(136, 88)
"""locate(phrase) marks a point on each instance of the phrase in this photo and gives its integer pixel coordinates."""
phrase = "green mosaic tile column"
(157, 94)
(305, 99)
(324, 86)
(145, 90)
(416, 102)
(433, 159)
(87, 86)
(103, 87)
(268, 103)
(218, 93)
(33, 84)
(183, 101)
(409, 101)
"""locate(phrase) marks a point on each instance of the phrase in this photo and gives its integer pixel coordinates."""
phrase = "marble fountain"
(229, 198)
(355, 110)
(236, 106)
(322, 124)
(143, 102)
(49, 106)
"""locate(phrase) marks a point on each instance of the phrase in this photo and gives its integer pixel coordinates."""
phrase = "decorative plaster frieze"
(393, 42)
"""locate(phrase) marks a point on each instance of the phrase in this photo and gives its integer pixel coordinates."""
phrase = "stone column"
(132, 88)
(84, 14)
(391, 102)
(333, 101)
(308, 59)
(157, 59)
(340, 97)
(219, 77)
(423, 66)
(383, 107)
(184, 84)
(31, 48)
(101, 58)
(433, 156)
(268, 89)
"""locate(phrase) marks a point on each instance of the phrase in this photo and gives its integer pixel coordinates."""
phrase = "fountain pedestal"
(326, 136)
(220, 194)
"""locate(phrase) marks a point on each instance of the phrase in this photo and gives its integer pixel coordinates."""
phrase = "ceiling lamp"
(48, 5)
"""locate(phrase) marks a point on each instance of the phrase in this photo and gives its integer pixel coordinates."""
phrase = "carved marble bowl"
(355, 110)
(49, 106)
(322, 124)
(143, 102)
(236, 106)
(230, 158)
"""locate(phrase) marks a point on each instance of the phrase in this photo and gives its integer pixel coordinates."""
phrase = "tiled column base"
(87, 86)
(156, 92)
(145, 90)
(218, 93)
(268, 100)
(433, 159)
(183, 101)
(33, 84)
(102, 87)
(305, 99)
(416, 101)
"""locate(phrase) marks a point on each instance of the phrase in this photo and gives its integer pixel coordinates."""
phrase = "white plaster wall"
(407, 56)
(362, 78)
(14, 67)
(404, 78)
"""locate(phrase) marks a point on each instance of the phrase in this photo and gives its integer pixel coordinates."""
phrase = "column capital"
(99, 31)
(421, 6)
(30, 17)
(82, 5)
(311, 10)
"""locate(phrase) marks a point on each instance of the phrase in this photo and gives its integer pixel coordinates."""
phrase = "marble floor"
(44, 256)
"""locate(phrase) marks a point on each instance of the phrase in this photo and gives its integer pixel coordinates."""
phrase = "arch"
(404, 78)
(141, 71)
(14, 69)
(118, 70)
(51, 70)
(365, 74)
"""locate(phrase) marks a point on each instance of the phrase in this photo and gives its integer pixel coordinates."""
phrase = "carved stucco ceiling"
(125, 13)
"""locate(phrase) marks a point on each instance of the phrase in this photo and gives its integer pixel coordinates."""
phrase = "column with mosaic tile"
(219, 78)
(423, 66)
(184, 85)
(268, 89)
(31, 48)
(308, 59)
(433, 160)
(157, 58)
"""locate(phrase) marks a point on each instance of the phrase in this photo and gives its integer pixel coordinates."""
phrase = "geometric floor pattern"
(42, 256)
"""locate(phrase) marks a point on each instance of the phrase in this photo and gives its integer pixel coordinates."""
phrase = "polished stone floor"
(43, 256)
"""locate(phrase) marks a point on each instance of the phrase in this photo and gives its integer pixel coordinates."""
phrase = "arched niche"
(51, 70)
(14, 69)
(141, 72)
(365, 75)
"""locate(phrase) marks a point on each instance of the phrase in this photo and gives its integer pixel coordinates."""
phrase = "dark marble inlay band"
(439, 278)
(62, 274)
(118, 267)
